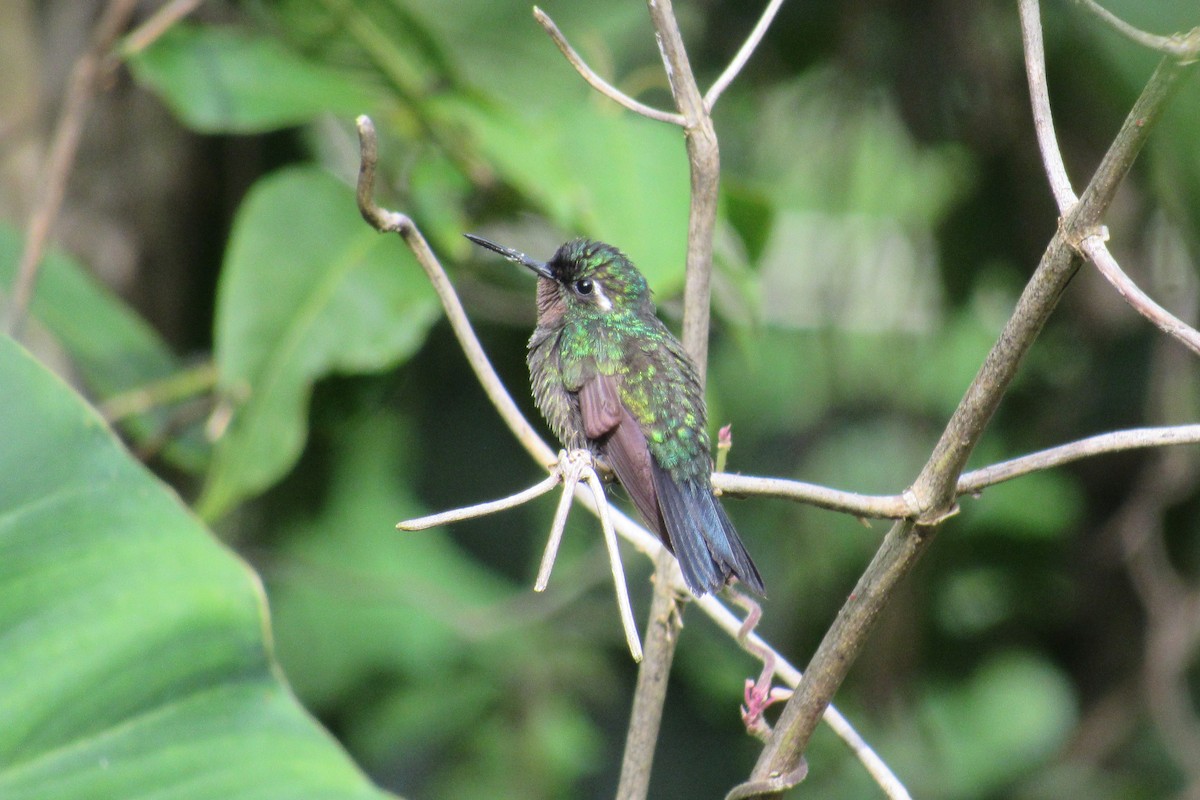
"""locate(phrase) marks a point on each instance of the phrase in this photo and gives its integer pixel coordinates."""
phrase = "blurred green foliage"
(882, 204)
(137, 660)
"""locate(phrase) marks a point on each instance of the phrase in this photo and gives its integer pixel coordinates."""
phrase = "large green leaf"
(225, 80)
(112, 348)
(307, 288)
(136, 658)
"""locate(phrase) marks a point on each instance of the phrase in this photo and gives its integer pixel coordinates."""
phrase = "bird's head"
(583, 277)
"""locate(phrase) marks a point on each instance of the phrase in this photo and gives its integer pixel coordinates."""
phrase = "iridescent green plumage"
(610, 377)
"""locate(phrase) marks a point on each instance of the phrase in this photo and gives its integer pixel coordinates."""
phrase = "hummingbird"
(609, 377)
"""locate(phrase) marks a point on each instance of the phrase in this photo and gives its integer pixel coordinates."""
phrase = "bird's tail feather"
(706, 544)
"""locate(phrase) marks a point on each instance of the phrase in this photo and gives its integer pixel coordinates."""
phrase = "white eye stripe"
(601, 298)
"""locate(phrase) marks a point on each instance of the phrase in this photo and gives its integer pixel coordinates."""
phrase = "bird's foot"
(760, 696)
(574, 465)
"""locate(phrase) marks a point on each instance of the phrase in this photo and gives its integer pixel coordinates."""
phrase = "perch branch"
(85, 78)
(595, 81)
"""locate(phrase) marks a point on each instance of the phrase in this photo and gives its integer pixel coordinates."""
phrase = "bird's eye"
(584, 286)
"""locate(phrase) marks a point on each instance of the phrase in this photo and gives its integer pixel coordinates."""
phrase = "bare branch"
(900, 506)
(1097, 252)
(1183, 46)
(704, 161)
(80, 92)
(480, 509)
(614, 560)
(159, 23)
(935, 488)
(595, 81)
(650, 694)
(704, 165)
(386, 221)
(1092, 246)
(977, 480)
(1043, 122)
(173, 388)
(743, 55)
(860, 505)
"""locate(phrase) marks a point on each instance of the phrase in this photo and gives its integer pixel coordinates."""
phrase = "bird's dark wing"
(707, 546)
(620, 440)
(600, 405)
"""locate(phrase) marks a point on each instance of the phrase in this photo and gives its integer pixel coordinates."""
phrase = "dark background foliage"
(883, 202)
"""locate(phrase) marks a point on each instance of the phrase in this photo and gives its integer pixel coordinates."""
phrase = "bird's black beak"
(516, 256)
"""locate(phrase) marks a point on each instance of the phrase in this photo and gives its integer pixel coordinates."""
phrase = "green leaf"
(225, 80)
(111, 347)
(307, 289)
(602, 172)
(136, 662)
(1004, 721)
(330, 638)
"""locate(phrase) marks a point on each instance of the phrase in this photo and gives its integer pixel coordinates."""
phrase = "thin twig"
(1097, 252)
(1117, 441)
(893, 506)
(614, 561)
(743, 55)
(156, 25)
(899, 506)
(650, 694)
(595, 81)
(1043, 121)
(1093, 247)
(479, 509)
(570, 479)
(386, 221)
(1183, 46)
(173, 388)
(80, 92)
